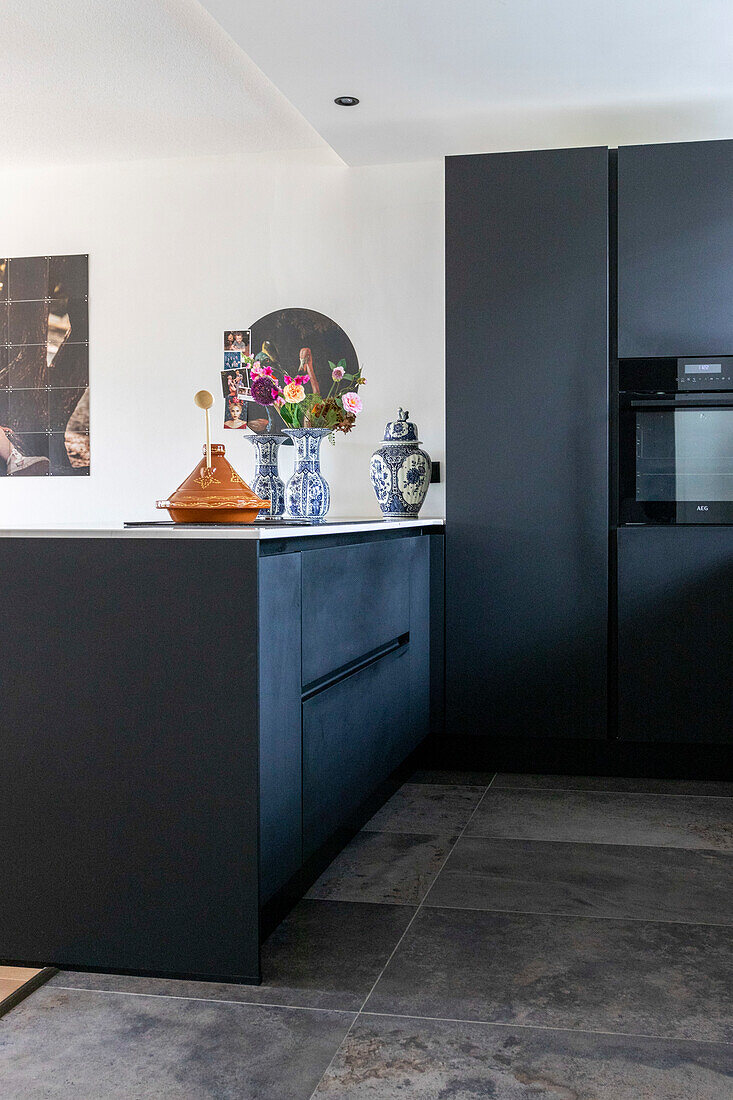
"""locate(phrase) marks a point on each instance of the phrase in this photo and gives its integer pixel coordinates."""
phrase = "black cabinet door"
(527, 469)
(675, 249)
(353, 737)
(281, 852)
(675, 635)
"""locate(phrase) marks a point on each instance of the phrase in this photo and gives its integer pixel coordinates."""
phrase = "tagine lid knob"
(401, 430)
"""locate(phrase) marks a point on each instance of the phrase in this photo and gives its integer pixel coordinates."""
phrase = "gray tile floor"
(483, 937)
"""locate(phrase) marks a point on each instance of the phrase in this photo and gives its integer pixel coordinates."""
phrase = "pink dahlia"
(352, 402)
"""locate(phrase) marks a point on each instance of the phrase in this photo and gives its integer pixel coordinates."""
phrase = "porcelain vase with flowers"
(267, 482)
(311, 417)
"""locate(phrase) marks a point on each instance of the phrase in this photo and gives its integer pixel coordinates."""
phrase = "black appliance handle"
(684, 401)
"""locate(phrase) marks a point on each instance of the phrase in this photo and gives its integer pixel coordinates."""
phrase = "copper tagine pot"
(214, 494)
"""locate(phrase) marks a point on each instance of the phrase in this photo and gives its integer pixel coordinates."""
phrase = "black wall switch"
(435, 474)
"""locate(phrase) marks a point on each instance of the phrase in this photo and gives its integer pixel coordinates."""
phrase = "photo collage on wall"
(44, 366)
(235, 378)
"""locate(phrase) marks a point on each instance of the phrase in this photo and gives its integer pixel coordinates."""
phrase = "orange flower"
(293, 393)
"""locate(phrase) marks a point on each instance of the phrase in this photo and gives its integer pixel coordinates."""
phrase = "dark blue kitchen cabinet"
(345, 686)
(675, 249)
(369, 584)
(174, 765)
(527, 446)
(353, 736)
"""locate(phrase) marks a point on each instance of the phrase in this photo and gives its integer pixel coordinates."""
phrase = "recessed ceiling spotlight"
(346, 100)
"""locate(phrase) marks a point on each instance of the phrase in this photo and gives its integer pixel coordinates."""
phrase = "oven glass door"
(677, 464)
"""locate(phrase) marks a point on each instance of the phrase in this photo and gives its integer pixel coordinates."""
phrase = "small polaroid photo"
(236, 383)
(232, 360)
(235, 415)
(238, 339)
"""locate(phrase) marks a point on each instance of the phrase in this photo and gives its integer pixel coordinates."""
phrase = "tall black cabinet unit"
(675, 595)
(527, 447)
(675, 249)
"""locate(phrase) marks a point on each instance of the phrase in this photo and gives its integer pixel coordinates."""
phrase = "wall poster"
(44, 366)
(297, 341)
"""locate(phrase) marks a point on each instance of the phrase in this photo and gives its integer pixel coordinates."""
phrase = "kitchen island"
(194, 721)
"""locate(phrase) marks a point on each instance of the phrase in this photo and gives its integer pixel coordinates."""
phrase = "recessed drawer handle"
(317, 686)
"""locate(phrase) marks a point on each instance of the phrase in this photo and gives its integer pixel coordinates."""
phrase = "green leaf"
(342, 363)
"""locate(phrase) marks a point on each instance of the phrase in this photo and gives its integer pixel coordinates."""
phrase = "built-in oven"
(676, 441)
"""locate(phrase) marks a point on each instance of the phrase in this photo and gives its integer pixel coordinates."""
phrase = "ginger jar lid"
(401, 430)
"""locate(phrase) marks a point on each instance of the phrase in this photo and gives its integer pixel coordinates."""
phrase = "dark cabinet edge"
(268, 547)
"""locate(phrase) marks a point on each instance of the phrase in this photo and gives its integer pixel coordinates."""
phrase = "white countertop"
(253, 531)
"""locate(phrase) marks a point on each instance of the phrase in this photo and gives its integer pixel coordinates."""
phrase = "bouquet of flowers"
(301, 407)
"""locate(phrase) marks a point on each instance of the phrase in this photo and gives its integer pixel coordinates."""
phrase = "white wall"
(179, 250)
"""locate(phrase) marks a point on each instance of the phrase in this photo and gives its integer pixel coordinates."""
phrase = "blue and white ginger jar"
(400, 470)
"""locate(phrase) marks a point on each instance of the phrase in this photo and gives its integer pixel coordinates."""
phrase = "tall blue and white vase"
(267, 482)
(400, 470)
(307, 495)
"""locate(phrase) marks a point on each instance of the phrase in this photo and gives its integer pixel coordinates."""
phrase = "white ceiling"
(123, 79)
(450, 76)
(120, 79)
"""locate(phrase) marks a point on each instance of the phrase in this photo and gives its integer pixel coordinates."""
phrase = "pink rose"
(337, 373)
(352, 402)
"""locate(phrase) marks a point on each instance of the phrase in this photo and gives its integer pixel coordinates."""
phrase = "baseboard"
(555, 755)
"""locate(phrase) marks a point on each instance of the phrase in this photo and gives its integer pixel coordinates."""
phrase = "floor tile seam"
(200, 1000)
(404, 933)
(726, 853)
(408, 832)
(453, 848)
(546, 1027)
(594, 843)
(622, 794)
(365, 901)
(422, 902)
(333, 1058)
(579, 916)
(453, 786)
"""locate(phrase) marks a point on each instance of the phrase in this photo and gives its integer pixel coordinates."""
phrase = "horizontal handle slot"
(342, 673)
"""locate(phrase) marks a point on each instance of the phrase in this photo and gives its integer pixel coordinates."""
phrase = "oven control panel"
(709, 372)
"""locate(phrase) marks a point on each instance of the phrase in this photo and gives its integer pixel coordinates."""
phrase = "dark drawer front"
(369, 585)
(354, 734)
(675, 634)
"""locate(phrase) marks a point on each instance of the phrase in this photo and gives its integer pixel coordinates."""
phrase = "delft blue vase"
(400, 470)
(267, 482)
(307, 495)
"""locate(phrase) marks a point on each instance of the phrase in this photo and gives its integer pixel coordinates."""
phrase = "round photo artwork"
(299, 341)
